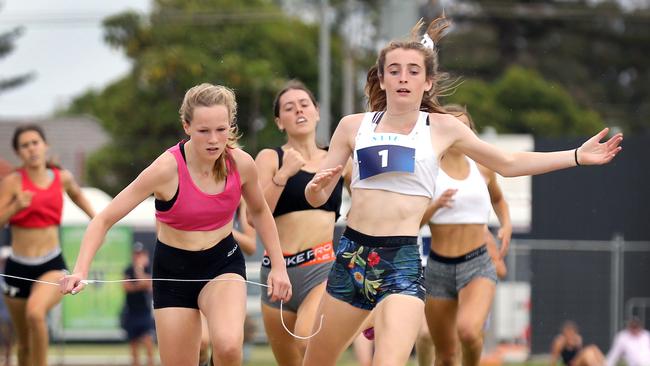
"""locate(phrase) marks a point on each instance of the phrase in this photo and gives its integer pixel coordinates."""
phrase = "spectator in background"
(632, 344)
(568, 346)
(137, 315)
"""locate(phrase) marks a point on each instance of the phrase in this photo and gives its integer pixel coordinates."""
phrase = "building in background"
(71, 140)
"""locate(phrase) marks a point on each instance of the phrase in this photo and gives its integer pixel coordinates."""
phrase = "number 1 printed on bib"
(379, 159)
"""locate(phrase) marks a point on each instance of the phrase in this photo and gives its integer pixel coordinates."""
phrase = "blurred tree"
(251, 46)
(597, 50)
(7, 40)
(521, 101)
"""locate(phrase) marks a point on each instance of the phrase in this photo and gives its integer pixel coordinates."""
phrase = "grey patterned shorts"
(444, 277)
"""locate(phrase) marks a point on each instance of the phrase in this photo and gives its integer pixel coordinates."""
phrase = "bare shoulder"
(347, 130)
(351, 122)
(267, 158)
(242, 159)
(66, 176)
(67, 180)
(164, 167)
(443, 121)
(12, 180)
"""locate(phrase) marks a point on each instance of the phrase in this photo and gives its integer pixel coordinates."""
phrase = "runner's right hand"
(71, 284)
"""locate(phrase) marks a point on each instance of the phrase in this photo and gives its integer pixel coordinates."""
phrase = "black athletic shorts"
(174, 263)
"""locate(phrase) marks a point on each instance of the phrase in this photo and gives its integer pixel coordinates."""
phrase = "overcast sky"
(63, 45)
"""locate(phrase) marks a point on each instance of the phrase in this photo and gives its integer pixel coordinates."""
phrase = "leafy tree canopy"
(250, 46)
(521, 101)
(596, 50)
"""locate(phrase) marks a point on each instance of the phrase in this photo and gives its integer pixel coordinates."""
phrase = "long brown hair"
(208, 95)
(377, 97)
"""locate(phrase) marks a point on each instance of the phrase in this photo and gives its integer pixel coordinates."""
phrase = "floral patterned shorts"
(369, 268)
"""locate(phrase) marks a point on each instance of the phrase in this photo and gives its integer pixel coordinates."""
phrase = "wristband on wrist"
(575, 156)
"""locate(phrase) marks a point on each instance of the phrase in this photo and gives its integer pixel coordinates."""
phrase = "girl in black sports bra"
(306, 232)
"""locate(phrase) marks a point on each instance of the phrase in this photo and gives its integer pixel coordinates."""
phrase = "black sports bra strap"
(377, 117)
(280, 155)
(181, 147)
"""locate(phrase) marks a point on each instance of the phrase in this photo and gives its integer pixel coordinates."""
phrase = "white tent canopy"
(141, 218)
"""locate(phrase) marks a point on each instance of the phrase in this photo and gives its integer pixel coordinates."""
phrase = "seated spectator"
(569, 347)
(632, 344)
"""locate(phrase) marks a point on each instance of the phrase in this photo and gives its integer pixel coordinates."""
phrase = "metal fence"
(597, 284)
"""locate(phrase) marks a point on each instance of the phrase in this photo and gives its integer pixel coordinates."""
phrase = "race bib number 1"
(375, 160)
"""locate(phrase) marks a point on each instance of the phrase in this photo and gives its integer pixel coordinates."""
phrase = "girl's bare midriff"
(192, 240)
(301, 230)
(34, 242)
(453, 240)
(383, 213)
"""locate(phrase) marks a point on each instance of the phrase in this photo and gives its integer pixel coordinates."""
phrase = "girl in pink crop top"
(195, 240)
(193, 210)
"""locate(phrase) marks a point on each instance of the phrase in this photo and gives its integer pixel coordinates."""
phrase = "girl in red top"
(31, 200)
(198, 185)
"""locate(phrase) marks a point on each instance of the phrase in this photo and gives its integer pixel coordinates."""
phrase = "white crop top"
(471, 203)
(394, 162)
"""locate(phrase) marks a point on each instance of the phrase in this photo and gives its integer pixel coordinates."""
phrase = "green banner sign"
(95, 311)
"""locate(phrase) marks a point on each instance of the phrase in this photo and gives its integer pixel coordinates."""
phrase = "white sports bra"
(405, 164)
(471, 202)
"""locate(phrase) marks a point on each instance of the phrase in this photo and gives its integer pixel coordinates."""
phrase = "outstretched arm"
(591, 152)
(136, 192)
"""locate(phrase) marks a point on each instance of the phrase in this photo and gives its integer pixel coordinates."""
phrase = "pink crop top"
(193, 210)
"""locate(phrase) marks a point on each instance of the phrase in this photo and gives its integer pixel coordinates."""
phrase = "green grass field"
(118, 354)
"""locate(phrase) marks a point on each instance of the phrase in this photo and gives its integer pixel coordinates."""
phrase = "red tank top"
(194, 210)
(46, 206)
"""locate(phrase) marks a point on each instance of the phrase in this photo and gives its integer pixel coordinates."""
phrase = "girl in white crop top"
(457, 218)
(402, 83)
(471, 197)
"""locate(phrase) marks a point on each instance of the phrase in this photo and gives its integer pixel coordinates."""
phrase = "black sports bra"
(293, 196)
(167, 205)
(568, 354)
